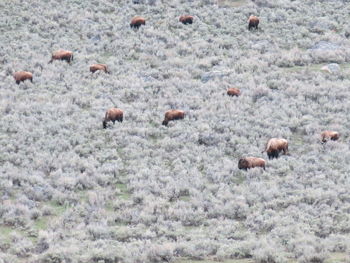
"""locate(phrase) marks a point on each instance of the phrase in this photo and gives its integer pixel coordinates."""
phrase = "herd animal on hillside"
(274, 146)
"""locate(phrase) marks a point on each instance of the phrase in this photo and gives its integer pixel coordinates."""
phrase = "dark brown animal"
(171, 115)
(62, 55)
(186, 19)
(233, 92)
(251, 162)
(137, 21)
(22, 76)
(112, 114)
(329, 135)
(274, 146)
(96, 67)
(253, 22)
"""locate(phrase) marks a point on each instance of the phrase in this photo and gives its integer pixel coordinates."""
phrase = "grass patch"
(41, 223)
(338, 258)
(123, 191)
(5, 232)
(245, 260)
(315, 67)
(231, 3)
(334, 258)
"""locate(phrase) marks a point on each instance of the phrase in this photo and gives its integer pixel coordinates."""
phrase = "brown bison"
(329, 135)
(96, 67)
(62, 55)
(186, 19)
(274, 146)
(22, 76)
(233, 92)
(251, 162)
(137, 21)
(253, 22)
(171, 115)
(112, 114)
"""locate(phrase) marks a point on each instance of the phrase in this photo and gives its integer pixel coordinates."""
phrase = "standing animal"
(137, 21)
(22, 76)
(274, 146)
(186, 19)
(62, 55)
(233, 92)
(96, 67)
(251, 162)
(253, 22)
(329, 135)
(112, 114)
(171, 115)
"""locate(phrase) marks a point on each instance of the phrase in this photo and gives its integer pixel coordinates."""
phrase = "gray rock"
(331, 68)
(96, 38)
(214, 74)
(324, 46)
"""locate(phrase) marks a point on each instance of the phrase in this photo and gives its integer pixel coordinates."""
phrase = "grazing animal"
(253, 22)
(96, 67)
(233, 92)
(112, 114)
(22, 76)
(332, 135)
(251, 162)
(186, 19)
(171, 115)
(137, 21)
(62, 55)
(274, 146)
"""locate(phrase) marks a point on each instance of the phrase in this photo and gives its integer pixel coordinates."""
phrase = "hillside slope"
(137, 191)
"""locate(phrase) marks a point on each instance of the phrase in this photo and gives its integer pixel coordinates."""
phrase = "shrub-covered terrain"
(138, 191)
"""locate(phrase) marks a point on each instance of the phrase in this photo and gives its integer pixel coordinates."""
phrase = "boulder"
(331, 68)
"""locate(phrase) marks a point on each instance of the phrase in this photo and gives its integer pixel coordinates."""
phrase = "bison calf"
(253, 22)
(171, 115)
(251, 162)
(137, 21)
(22, 76)
(62, 55)
(233, 92)
(186, 19)
(96, 67)
(274, 146)
(329, 135)
(112, 114)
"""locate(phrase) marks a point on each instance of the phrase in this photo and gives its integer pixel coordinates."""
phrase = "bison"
(251, 162)
(62, 55)
(96, 67)
(171, 115)
(332, 135)
(186, 19)
(233, 92)
(22, 76)
(253, 22)
(137, 21)
(112, 114)
(274, 146)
